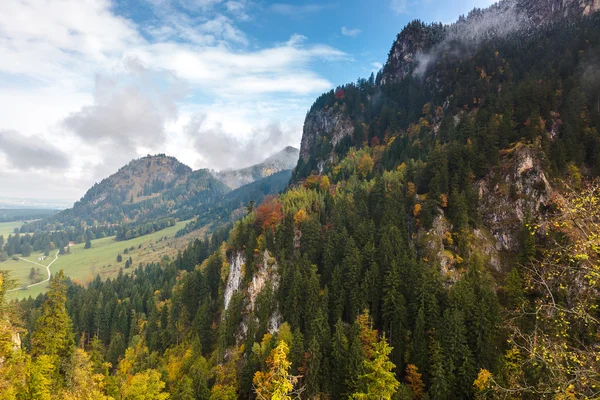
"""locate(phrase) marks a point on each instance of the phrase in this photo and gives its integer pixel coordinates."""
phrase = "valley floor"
(83, 265)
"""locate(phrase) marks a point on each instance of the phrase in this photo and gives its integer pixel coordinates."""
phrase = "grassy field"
(7, 228)
(83, 265)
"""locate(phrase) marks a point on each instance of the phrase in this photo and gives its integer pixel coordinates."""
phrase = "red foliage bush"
(269, 214)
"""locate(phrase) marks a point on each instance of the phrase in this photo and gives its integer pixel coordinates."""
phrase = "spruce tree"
(52, 335)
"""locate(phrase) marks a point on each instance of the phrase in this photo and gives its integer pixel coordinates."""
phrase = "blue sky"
(87, 85)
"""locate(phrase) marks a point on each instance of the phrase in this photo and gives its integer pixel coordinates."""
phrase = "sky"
(88, 85)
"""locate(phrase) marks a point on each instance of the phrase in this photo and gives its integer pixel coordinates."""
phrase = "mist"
(463, 37)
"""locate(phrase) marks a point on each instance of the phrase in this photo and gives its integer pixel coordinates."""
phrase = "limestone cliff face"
(513, 194)
(508, 198)
(326, 124)
(265, 277)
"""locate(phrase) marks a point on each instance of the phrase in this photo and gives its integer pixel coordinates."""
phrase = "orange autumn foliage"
(417, 210)
(269, 214)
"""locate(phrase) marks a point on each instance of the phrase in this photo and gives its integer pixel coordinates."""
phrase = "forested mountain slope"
(146, 189)
(152, 193)
(439, 241)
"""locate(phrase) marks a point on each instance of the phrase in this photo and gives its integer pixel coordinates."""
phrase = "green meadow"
(83, 265)
(8, 228)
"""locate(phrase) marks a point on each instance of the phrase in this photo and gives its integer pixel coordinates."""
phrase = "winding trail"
(41, 265)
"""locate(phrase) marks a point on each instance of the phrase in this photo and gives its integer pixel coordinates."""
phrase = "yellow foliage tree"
(300, 216)
(276, 383)
(554, 334)
(410, 189)
(83, 383)
(365, 165)
(145, 385)
(417, 210)
(324, 184)
(226, 376)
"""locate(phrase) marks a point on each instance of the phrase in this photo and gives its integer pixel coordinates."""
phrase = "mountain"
(283, 160)
(140, 180)
(439, 239)
(152, 192)
(151, 189)
(418, 44)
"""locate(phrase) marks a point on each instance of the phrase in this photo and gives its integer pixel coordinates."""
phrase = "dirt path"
(41, 265)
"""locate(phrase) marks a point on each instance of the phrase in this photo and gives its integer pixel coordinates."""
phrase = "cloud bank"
(84, 91)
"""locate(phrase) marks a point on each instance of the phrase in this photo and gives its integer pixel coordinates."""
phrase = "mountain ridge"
(154, 190)
(438, 240)
(282, 160)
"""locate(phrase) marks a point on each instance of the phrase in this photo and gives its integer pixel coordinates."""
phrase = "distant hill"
(283, 160)
(152, 192)
(17, 214)
(147, 190)
(139, 180)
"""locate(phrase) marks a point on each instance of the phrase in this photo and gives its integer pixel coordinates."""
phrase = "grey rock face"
(332, 124)
(514, 194)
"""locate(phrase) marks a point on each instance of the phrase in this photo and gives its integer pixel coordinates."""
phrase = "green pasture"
(82, 265)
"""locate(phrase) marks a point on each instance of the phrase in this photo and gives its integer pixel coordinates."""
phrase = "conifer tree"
(275, 383)
(394, 312)
(440, 387)
(379, 381)
(52, 335)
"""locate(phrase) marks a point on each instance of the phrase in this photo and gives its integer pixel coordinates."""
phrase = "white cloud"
(376, 66)
(279, 69)
(79, 80)
(350, 32)
(23, 153)
(129, 111)
(238, 9)
(293, 10)
(222, 149)
(399, 6)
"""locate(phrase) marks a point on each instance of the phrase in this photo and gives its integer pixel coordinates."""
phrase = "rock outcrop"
(327, 124)
(514, 194)
(234, 278)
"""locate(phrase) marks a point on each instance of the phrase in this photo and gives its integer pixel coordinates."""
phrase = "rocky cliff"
(514, 194)
(326, 126)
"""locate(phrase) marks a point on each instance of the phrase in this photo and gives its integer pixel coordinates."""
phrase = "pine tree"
(351, 265)
(339, 360)
(394, 312)
(379, 381)
(420, 353)
(514, 288)
(440, 387)
(52, 335)
(184, 389)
